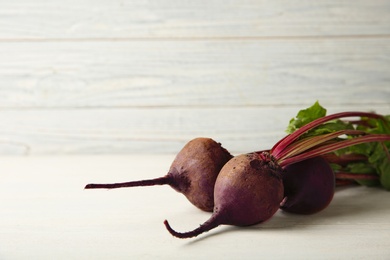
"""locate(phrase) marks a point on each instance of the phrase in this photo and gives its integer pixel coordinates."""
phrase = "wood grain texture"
(144, 130)
(146, 76)
(206, 73)
(55, 19)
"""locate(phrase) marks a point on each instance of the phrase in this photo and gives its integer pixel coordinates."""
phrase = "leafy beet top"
(357, 148)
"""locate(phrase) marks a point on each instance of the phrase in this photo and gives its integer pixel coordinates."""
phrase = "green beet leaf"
(377, 152)
(306, 116)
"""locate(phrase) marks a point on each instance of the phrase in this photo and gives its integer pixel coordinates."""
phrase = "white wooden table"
(46, 214)
(135, 77)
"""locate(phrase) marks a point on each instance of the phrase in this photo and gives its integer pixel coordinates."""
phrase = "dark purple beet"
(193, 172)
(308, 186)
(248, 191)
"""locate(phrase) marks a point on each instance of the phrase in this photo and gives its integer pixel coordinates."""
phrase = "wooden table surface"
(139, 77)
(46, 214)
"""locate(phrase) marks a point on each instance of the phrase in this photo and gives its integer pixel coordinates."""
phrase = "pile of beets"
(298, 175)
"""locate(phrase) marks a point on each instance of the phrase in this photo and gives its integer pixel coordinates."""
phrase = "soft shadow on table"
(346, 203)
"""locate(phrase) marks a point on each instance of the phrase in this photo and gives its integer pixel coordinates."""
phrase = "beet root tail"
(208, 225)
(151, 182)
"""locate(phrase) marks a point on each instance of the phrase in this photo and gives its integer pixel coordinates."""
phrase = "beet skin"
(192, 173)
(308, 186)
(248, 191)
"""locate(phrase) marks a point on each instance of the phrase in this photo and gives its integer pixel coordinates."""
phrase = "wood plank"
(194, 73)
(120, 19)
(145, 130)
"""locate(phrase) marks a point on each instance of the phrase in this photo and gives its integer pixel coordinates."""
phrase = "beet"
(192, 173)
(248, 191)
(308, 186)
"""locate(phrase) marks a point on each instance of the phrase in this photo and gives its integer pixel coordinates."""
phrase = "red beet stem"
(355, 176)
(208, 225)
(309, 142)
(335, 146)
(343, 182)
(280, 146)
(344, 159)
(157, 181)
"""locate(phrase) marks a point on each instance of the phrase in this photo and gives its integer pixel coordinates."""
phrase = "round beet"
(192, 173)
(308, 186)
(248, 191)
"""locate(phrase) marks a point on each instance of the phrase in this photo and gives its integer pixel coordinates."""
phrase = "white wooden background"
(121, 76)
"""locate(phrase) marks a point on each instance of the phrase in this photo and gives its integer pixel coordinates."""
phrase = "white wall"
(112, 76)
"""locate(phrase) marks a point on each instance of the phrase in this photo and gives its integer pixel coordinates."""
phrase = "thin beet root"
(248, 191)
(157, 181)
(213, 222)
(192, 173)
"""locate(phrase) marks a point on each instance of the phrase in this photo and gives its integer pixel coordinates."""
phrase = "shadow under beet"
(347, 202)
